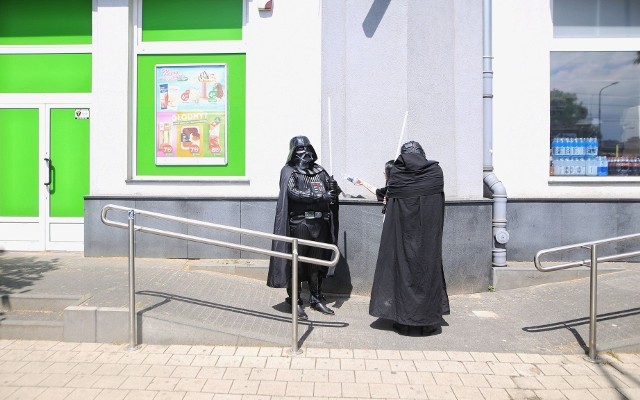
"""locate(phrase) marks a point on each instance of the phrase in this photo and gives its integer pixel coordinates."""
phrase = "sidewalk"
(86, 371)
(523, 343)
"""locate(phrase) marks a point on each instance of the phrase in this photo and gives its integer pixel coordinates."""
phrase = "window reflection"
(595, 113)
(596, 18)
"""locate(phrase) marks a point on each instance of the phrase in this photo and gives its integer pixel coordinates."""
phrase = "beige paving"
(51, 370)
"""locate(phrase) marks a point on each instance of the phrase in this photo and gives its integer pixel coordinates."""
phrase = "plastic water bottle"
(350, 178)
(555, 144)
(592, 166)
(592, 147)
(580, 167)
(563, 149)
(558, 166)
(581, 147)
(573, 147)
(566, 166)
(603, 166)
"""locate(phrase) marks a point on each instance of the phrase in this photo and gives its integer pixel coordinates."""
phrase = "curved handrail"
(593, 278)
(327, 263)
(587, 262)
(293, 256)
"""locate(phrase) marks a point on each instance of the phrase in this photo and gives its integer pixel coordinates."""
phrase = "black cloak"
(409, 285)
(280, 268)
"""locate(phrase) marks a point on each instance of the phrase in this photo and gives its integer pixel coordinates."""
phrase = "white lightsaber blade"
(404, 125)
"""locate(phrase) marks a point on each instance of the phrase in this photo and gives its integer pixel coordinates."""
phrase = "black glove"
(330, 197)
(333, 186)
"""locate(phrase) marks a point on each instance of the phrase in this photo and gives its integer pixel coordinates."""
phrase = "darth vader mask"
(301, 153)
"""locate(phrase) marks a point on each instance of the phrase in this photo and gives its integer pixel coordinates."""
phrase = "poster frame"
(176, 116)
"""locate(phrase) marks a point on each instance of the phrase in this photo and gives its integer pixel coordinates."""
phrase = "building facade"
(187, 108)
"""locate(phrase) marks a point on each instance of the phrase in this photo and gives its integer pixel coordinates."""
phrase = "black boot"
(318, 305)
(301, 313)
(322, 308)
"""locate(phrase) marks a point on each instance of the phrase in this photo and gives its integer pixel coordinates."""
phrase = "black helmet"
(412, 147)
(301, 143)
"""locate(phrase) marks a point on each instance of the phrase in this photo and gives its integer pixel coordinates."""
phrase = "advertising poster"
(191, 114)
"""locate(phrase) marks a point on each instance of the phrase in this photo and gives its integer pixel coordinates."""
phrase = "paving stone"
(343, 356)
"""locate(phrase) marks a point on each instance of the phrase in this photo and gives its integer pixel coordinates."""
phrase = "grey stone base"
(96, 324)
(519, 275)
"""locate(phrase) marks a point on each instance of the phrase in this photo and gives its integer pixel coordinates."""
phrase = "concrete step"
(34, 316)
(38, 302)
(31, 326)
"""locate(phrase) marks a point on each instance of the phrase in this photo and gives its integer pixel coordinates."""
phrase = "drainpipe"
(493, 187)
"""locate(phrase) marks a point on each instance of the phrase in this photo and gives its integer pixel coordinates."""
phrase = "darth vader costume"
(409, 285)
(307, 208)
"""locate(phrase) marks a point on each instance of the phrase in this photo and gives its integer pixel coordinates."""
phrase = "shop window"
(195, 20)
(596, 18)
(45, 22)
(595, 113)
(190, 74)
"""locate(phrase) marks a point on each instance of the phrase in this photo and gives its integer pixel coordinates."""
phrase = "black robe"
(409, 285)
(280, 269)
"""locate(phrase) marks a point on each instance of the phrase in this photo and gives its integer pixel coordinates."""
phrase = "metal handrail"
(293, 256)
(593, 280)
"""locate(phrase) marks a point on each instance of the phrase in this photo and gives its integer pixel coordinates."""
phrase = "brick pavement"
(516, 344)
(56, 370)
(547, 319)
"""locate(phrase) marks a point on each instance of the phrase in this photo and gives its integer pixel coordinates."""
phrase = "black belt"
(312, 215)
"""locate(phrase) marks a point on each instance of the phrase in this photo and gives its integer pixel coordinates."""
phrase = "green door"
(19, 162)
(44, 176)
(67, 177)
(69, 162)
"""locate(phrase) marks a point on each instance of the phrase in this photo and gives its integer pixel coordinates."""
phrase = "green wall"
(236, 97)
(45, 73)
(171, 20)
(45, 22)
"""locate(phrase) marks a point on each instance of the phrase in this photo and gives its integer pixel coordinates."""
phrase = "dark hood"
(413, 175)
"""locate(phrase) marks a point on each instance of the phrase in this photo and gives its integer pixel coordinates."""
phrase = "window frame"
(202, 47)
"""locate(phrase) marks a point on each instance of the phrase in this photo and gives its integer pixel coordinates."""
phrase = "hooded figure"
(409, 286)
(307, 208)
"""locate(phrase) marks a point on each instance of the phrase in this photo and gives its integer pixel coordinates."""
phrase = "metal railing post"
(294, 299)
(132, 282)
(593, 304)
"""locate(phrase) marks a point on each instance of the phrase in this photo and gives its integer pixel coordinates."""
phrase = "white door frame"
(43, 233)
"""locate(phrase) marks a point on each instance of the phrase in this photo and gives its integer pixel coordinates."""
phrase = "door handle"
(48, 161)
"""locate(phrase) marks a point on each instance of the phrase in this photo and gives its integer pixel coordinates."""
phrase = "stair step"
(38, 302)
(32, 325)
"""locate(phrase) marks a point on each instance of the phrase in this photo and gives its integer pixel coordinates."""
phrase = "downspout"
(493, 187)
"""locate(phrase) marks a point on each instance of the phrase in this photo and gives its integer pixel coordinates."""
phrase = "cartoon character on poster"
(217, 91)
(214, 136)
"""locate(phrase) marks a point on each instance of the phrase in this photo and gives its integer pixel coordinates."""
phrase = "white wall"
(522, 41)
(110, 87)
(383, 59)
(283, 99)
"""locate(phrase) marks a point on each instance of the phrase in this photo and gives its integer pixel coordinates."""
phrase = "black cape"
(409, 285)
(280, 268)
